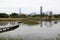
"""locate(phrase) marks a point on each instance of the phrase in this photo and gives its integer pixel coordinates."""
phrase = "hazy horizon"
(29, 6)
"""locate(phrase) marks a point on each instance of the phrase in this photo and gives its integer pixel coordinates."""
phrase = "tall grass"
(31, 22)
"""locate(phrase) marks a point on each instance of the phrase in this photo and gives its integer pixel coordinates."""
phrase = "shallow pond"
(42, 31)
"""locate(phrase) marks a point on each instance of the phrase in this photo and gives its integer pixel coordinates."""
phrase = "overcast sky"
(28, 6)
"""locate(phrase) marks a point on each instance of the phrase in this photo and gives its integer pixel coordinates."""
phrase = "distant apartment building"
(41, 10)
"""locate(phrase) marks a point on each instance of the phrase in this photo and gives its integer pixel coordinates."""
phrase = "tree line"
(16, 15)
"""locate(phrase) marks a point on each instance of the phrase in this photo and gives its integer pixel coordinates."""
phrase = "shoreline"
(11, 19)
(26, 19)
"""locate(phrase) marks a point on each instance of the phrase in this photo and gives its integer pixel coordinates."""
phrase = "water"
(43, 31)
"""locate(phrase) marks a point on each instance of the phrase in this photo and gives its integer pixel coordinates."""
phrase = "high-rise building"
(50, 13)
(19, 11)
(41, 10)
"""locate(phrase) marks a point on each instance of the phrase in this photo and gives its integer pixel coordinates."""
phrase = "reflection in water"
(58, 37)
(12, 22)
(41, 24)
(55, 22)
(5, 29)
(48, 23)
(6, 26)
(2, 23)
(47, 31)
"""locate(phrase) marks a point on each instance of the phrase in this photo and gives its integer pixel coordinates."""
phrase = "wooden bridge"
(5, 29)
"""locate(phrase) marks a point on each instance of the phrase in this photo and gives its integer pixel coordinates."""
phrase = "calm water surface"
(44, 30)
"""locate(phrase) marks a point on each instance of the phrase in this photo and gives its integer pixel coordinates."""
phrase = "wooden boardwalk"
(5, 29)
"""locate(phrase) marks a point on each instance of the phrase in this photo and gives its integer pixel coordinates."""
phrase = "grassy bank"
(29, 18)
(12, 19)
(31, 22)
(19, 19)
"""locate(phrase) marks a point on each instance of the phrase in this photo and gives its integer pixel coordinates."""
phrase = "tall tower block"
(19, 11)
(41, 10)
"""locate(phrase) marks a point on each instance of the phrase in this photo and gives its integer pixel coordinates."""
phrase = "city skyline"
(29, 6)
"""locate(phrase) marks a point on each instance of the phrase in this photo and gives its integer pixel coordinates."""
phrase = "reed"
(31, 22)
